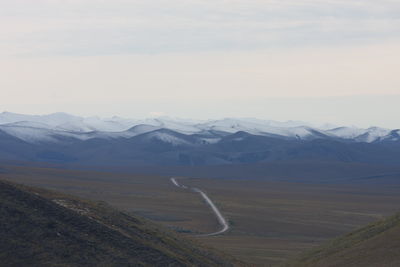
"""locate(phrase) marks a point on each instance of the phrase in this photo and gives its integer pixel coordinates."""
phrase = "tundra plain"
(271, 221)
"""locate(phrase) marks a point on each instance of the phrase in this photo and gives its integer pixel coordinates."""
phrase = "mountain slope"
(377, 244)
(65, 139)
(43, 228)
(79, 127)
(166, 147)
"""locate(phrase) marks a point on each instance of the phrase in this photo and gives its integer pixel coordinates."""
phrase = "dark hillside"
(43, 228)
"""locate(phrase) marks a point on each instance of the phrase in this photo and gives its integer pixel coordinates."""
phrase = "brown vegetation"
(271, 221)
(43, 228)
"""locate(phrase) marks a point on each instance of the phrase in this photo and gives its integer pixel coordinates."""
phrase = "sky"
(313, 60)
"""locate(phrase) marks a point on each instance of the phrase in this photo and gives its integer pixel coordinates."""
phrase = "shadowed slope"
(43, 228)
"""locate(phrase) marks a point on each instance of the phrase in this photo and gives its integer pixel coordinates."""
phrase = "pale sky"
(313, 60)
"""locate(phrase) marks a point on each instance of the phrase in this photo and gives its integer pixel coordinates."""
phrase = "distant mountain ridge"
(61, 137)
(28, 127)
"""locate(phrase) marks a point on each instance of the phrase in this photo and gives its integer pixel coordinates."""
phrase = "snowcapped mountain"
(64, 138)
(35, 132)
(52, 127)
(66, 122)
(369, 135)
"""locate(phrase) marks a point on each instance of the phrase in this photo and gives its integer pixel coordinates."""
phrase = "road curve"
(221, 220)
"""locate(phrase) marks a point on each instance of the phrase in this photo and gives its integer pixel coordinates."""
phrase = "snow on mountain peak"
(167, 137)
(45, 126)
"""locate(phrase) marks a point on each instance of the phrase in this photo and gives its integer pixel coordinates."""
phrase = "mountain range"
(65, 138)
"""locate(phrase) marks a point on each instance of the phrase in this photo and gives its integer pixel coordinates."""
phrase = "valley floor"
(270, 221)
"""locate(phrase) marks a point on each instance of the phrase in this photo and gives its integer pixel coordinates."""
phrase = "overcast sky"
(312, 60)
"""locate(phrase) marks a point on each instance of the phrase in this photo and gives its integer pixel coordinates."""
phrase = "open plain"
(270, 221)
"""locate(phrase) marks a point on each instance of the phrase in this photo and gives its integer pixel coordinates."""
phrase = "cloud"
(131, 56)
(99, 27)
(370, 69)
(156, 114)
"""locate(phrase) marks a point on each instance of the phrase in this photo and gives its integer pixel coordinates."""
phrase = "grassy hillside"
(377, 244)
(44, 228)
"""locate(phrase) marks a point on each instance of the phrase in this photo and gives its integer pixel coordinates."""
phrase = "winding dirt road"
(221, 220)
